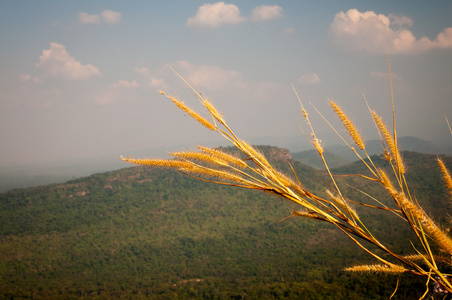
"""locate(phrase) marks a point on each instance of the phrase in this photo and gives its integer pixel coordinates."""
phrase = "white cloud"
(216, 14)
(309, 78)
(372, 33)
(157, 83)
(207, 76)
(58, 63)
(125, 84)
(151, 79)
(266, 12)
(111, 17)
(86, 18)
(106, 16)
(28, 78)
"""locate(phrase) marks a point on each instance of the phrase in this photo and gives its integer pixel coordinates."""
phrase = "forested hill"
(154, 233)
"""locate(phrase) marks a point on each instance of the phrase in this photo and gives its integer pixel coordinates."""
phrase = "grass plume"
(181, 105)
(393, 269)
(446, 176)
(256, 172)
(352, 131)
(393, 150)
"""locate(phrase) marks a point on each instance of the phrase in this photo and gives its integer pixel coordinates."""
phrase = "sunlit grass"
(255, 172)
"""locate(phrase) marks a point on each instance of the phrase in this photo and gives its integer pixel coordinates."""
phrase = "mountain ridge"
(27, 176)
(340, 155)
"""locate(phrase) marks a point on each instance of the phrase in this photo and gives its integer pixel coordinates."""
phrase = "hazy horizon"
(82, 79)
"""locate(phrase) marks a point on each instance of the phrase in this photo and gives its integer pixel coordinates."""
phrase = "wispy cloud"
(208, 76)
(28, 78)
(151, 79)
(371, 33)
(125, 84)
(106, 16)
(220, 13)
(266, 12)
(111, 17)
(59, 63)
(85, 18)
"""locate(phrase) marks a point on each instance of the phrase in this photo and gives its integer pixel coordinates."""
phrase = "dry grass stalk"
(393, 269)
(315, 141)
(446, 175)
(198, 156)
(222, 175)
(390, 142)
(213, 111)
(191, 113)
(340, 201)
(258, 173)
(306, 215)
(352, 131)
(224, 156)
(447, 121)
(166, 163)
(439, 236)
(318, 145)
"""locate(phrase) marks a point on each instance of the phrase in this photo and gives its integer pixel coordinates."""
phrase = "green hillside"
(146, 233)
(312, 159)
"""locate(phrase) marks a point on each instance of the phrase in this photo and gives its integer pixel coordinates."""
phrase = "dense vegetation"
(154, 233)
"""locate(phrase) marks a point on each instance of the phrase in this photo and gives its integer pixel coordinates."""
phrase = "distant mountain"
(154, 233)
(312, 159)
(12, 177)
(27, 176)
(406, 143)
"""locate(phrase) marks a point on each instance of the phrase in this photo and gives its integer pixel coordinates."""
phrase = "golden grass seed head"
(318, 145)
(414, 257)
(224, 156)
(303, 214)
(198, 156)
(385, 132)
(389, 140)
(286, 181)
(387, 157)
(387, 182)
(352, 131)
(289, 183)
(393, 269)
(167, 163)
(213, 111)
(341, 203)
(181, 105)
(254, 154)
(446, 175)
(438, 235)
(221, 175)
(400, 164)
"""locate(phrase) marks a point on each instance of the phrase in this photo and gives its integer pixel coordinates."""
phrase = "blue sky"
(82, 78)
